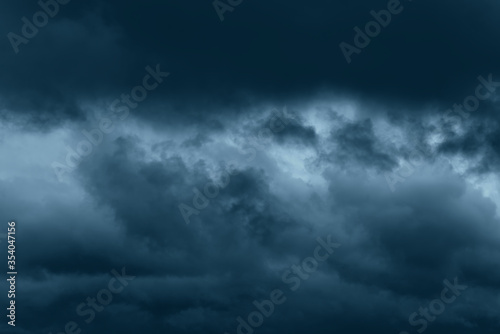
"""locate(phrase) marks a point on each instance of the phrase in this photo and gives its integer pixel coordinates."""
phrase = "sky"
(240, 167)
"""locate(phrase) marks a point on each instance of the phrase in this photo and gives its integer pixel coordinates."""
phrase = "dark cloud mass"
(223, 167)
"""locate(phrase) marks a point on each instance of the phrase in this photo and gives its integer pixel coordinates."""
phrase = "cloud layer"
(262, 139)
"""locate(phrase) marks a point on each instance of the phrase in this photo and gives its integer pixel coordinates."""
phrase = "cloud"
(260, 189)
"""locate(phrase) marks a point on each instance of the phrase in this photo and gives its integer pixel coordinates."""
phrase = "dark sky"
(206, 157)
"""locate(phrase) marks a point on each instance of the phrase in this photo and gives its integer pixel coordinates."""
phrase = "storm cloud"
(219, 167)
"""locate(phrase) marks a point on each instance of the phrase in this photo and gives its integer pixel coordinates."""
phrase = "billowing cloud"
(172, 172)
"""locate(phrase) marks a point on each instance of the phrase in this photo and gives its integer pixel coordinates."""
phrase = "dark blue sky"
(172, 172)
